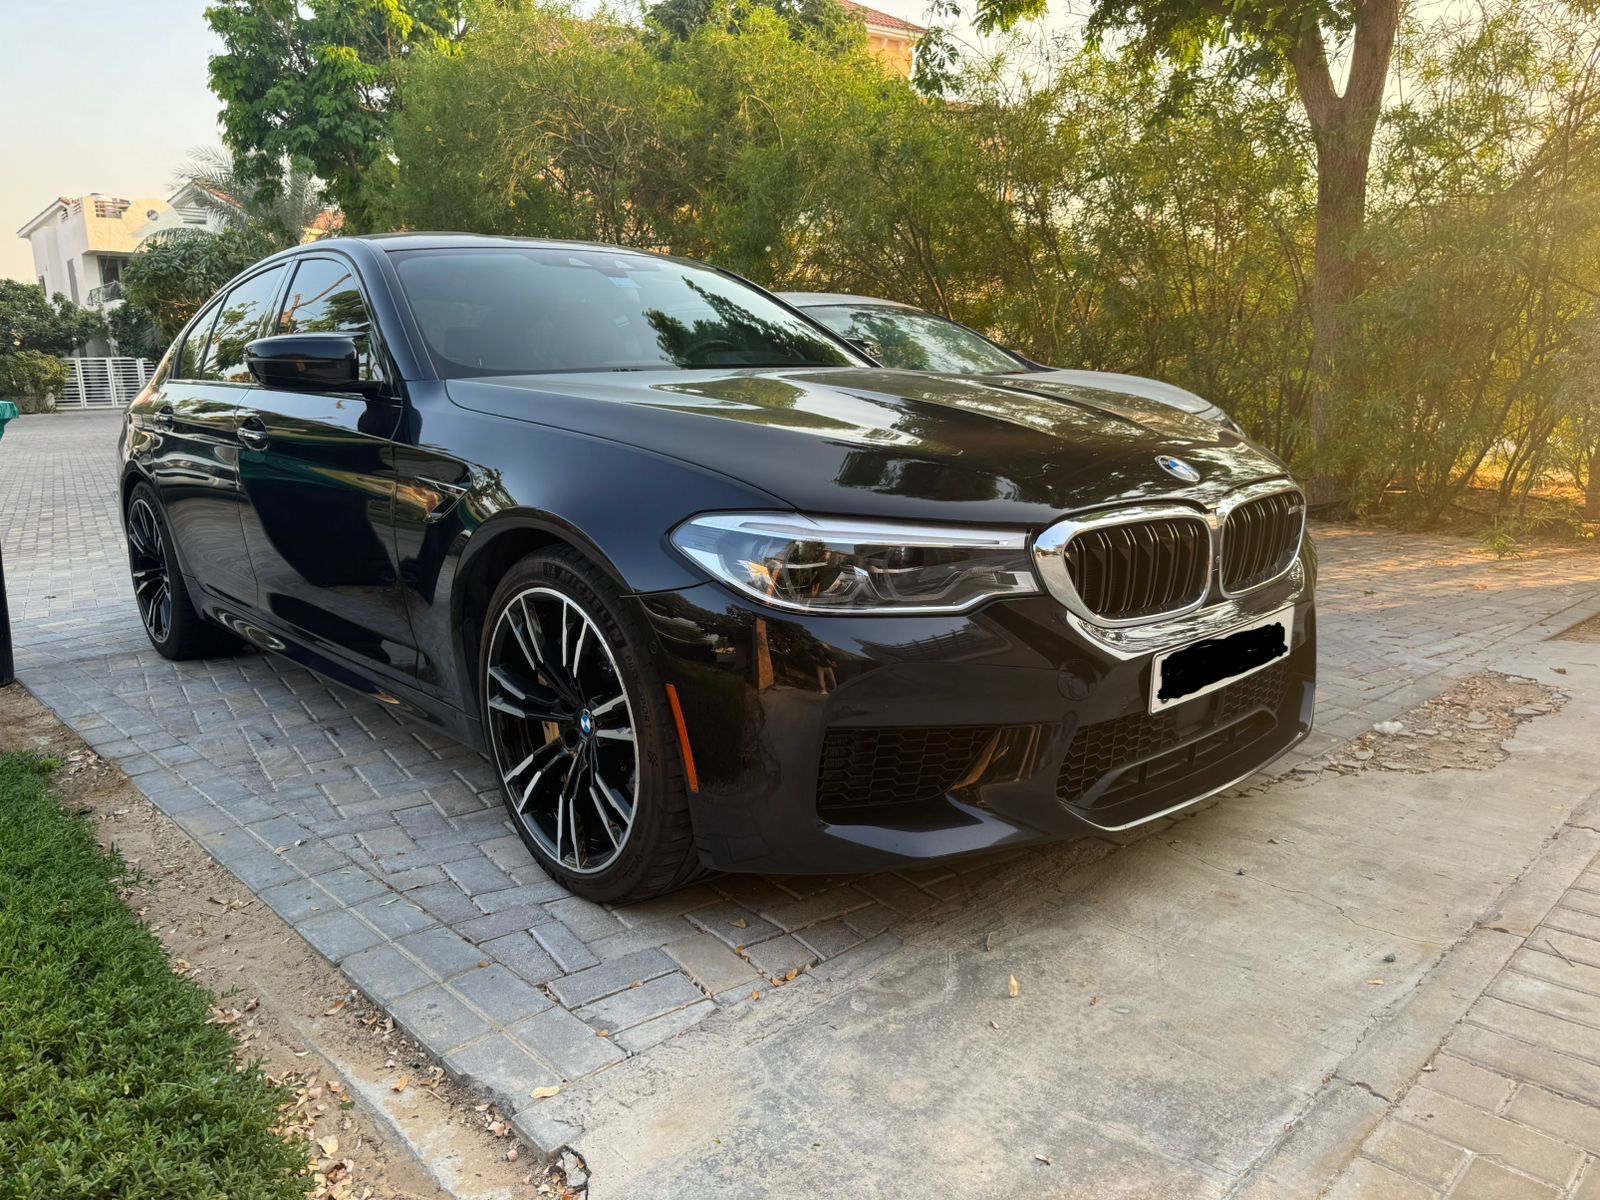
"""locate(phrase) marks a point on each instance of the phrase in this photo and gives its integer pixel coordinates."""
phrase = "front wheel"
(578, 726)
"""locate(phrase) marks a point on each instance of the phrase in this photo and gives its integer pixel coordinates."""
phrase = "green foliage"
(314, 81)
(32, 379)
(134, 333)
(1091, 208)
(28, 321)
(111, 1081)
(177, 271)
(286, 209)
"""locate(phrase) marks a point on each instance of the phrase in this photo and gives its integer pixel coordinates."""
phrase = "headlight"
(839, 565)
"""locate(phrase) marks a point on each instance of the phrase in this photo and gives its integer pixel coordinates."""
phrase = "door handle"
(164, 416)
(254, 434)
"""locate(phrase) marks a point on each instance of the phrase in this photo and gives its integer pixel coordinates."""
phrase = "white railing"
(104, 382)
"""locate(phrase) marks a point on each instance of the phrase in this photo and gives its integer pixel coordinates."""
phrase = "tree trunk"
(1342, 127)
(1591, 490)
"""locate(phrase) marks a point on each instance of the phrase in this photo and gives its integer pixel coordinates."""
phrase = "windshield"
(524, 310)
(913, 340)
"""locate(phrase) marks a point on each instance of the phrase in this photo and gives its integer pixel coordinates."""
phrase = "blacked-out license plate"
(1204, 666)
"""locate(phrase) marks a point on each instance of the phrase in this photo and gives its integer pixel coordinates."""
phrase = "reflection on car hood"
(891, 443)
(1134, 387)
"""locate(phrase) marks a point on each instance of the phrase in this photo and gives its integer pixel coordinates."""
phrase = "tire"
(580, 733)
(175, 627)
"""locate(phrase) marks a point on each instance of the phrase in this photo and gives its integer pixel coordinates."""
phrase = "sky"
(110, 96)
(96, 96)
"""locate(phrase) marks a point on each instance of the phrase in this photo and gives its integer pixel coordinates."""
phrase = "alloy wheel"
(147, 561)
(561, 729)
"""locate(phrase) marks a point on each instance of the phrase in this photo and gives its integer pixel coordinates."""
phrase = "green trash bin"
(8, 412)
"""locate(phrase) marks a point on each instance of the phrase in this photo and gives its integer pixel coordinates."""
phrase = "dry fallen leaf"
(338, 1006)
(741, 923)
(544, 1093)
(1042, 1159)
(329, 1144)
(402, 1083)
(1374, 983)
(1014, 988)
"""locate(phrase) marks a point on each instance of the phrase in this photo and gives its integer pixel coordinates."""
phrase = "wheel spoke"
(599, 710)
(605, 822)
(624, 734)
(621, 806)
(528, 701)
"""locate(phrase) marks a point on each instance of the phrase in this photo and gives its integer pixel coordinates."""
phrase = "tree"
(178, 270)
(315, 81)
(28, 321)
(1292, 36)
(134, 333)
(289, 207)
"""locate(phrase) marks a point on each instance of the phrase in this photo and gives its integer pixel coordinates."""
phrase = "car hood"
(1129, 387)
(896, 444)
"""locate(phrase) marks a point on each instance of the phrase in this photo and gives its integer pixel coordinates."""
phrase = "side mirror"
(309, 362)
(871, 347)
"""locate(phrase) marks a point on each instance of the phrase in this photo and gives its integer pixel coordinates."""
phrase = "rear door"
(318, 477)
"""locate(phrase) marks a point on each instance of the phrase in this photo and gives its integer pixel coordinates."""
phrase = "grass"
(112, 1084)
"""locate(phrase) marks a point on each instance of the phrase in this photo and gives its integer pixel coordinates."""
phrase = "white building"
(81, 242)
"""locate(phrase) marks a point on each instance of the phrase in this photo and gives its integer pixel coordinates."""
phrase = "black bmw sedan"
(710, 589)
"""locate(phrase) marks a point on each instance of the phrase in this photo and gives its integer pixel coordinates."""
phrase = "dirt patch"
(1583, 631)
(287, 1006)
(1463, 728)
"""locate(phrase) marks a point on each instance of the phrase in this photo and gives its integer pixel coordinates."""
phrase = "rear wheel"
(578, 727)
(175, 626)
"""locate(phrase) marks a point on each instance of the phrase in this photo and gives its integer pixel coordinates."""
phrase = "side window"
(325, 298)
(244, 312)
(186, 363)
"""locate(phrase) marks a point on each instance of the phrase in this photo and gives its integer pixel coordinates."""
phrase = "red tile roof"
(882, 20)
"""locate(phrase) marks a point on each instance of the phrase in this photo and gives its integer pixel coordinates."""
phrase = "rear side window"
(910, 340)
(186, 364)
(324, 297)
(244, 312)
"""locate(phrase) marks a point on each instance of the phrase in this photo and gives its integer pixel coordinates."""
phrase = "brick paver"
(1510, 1107)
(385, 843)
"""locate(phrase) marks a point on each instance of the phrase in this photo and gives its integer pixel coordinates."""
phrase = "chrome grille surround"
(1050, 557)
(1049, 550)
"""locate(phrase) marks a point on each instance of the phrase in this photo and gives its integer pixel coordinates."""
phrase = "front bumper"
(857, 743)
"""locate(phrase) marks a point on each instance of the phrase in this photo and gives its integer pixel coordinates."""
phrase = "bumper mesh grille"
(873, 768)
(1106, 746)
(1260, 539)
(1141, 569)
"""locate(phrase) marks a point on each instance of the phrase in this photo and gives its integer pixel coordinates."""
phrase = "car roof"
(391, 242)
(820, 299)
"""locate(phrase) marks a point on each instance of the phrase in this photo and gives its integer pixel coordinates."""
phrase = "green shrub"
(34, 380)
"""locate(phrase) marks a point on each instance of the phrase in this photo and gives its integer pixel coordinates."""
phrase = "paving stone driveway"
(384, 843)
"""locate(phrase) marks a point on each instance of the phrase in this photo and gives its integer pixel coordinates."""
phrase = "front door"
(194, 461)
(318, 478)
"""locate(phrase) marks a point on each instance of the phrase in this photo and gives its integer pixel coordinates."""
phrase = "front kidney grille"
(1260, 539)
(864, 769)
(1141, 569)
(1107, 746)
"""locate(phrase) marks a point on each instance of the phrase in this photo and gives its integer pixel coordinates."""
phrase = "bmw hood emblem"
(1177, 468)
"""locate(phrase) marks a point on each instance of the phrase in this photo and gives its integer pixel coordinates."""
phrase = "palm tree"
(290, 208)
